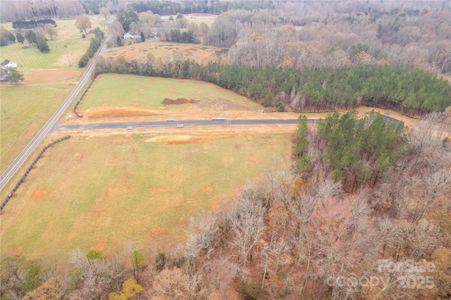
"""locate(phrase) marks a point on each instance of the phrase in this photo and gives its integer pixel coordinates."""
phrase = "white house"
(8, 64)
(129, 36)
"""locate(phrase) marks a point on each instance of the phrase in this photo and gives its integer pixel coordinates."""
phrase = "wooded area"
(409, 90)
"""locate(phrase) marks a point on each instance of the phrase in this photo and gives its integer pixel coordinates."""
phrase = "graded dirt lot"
(113, 95)
(139, 188)
(162, 52)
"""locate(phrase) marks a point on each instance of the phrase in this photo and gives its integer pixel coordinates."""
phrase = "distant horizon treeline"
(13, 10)
(411, 91)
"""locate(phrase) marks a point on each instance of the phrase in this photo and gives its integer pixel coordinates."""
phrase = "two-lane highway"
(176, 123)
(48, 127)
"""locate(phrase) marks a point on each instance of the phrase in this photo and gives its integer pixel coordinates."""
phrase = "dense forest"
(409, 90)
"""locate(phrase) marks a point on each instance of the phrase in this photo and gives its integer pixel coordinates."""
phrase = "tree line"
(96, 41)
(411, 91)
(32, 23)
(37, 36)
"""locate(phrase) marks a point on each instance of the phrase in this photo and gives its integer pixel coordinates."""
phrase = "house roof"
(8, 64)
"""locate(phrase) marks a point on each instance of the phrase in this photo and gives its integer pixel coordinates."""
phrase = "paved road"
(180, 123)
(183, 123)
(49, 125)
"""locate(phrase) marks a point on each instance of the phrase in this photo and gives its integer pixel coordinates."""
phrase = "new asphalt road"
(181, 123)
(49, 125)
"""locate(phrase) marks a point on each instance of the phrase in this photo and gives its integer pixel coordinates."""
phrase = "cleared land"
(105, 192)
(128, 95)
(162, 52)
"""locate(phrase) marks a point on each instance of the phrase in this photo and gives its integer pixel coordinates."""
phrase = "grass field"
(138, 92)
(163, 52)
(24, 109)
(48, 79)
(65, 50)
(104, 192)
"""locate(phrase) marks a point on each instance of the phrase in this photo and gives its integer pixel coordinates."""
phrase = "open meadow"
(129, 95)
(104, 192)
(25, 109)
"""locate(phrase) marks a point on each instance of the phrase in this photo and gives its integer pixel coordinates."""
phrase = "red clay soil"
(38, 194)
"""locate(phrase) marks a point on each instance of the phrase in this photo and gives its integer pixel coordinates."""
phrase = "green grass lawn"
(24, 109)
(65, 50)
(117, 190)
(148, 92)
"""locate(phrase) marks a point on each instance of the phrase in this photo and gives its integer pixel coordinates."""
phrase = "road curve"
(17, 163)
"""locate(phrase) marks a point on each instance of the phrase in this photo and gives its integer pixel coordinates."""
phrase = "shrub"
(250, 290)
(93, 254)
(41, 43)
(6, 37)
(30, 36)
(14, 76)
(83, 61)
(20, 38)
(160, 261)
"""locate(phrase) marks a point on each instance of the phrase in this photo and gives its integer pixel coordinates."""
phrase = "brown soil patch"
(168, 101)
(119, 112)
(68, 59)
(99, 246)
(117, 190)
(38, 194)
(158, 233)
(50, 76)
(157, 190)
(216, 207)
(184, 139)
(208, 188)
(18, 250)
(78, 156)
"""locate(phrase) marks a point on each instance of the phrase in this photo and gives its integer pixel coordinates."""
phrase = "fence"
(74, 110)
(30, 167)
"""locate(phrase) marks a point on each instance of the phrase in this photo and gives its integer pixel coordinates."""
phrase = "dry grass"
(105, 192)
(163, 53)
(128, 95)
(196, 18)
